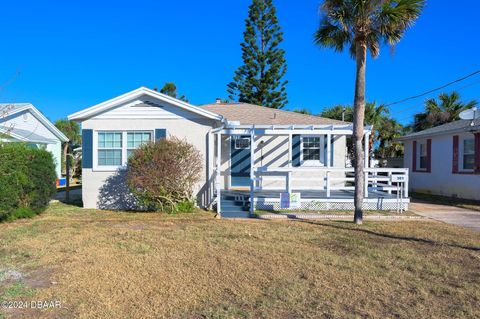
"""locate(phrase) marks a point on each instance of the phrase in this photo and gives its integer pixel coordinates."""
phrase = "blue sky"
(73, 54)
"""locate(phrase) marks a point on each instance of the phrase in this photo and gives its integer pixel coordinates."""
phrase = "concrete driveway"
(448, 214)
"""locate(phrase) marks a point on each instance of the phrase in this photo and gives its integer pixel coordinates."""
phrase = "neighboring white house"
(445, 160)
(248, 150)
(22, 122)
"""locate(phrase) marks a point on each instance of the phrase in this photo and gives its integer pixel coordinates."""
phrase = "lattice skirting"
(368, 204)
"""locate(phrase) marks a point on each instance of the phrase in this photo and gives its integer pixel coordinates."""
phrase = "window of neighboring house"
(242, 143)
(135, 139)
(468, 154)
(109, 148)
(422, 156)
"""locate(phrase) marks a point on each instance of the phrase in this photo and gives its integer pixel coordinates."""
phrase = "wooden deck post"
(218, 172)
(289, 174)
(329, 150)
(252, 170)
(367, 161)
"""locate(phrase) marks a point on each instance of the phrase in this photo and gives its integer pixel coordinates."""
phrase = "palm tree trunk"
(65, 150)
(358, 124)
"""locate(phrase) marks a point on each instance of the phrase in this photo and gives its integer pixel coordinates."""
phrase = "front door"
(240, 161)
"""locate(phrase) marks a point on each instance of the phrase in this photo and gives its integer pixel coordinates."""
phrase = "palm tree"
(389, 130)
(71, 130)
(362, 25)
(374, 115)
(446, 110)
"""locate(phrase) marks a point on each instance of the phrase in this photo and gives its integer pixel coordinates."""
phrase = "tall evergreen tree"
(260, 79)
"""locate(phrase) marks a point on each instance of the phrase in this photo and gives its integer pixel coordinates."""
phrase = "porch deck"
(236, 203)
(309, 194)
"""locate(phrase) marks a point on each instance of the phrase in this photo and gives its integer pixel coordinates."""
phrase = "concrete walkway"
(448, 214)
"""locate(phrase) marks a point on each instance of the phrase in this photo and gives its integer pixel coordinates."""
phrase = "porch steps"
(233, 207)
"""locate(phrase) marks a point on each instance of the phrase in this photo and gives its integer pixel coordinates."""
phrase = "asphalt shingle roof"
(249, 114)
(460, 125)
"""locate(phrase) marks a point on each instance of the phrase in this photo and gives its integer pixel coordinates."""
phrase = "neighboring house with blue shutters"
(248, 150)
(22, 122)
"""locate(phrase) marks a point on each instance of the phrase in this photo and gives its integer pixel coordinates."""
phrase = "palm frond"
(331, 35)
(396, 16)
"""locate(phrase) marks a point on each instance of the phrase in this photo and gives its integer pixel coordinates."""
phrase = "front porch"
(323, 185)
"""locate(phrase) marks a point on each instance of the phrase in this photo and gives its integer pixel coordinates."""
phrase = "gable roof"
(9, 109)
(250, 114)
(449, 128)
(112, 103)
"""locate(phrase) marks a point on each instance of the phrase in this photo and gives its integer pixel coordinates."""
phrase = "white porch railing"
(376, 179)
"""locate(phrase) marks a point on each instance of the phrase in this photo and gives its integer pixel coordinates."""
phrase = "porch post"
(367, 161)
(252, 170)
(218, 172)
(289, 174)
(329, 150)
(367, 155)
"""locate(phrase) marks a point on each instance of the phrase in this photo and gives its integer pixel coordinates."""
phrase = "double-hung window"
(314, 150)
(468, 154)
(110, 148)
(114, 147)
(423, 156)
(135, 139)
(311, 148)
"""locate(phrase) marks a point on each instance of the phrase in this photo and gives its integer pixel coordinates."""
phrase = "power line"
(412, 116)
(434, 90)
(408, 108)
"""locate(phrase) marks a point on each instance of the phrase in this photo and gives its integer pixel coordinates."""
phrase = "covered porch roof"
(234, 128)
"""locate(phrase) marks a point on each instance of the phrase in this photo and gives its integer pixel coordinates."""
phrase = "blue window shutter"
(87, 148)
(332, 149)
(160, 133)
(296, 150)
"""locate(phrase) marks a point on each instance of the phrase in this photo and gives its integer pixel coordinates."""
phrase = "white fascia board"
(39, 116)
(92, 111)
(48, 124)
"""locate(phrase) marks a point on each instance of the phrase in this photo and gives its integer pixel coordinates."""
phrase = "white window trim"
(109, 168)
(316, 163)
(419, 155)
(461, 151)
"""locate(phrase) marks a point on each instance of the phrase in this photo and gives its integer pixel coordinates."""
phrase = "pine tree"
(260, 79)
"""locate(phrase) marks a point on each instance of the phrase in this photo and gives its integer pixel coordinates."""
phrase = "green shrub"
(21, 212)
(27, 179)
(163, 175)
(186, 206)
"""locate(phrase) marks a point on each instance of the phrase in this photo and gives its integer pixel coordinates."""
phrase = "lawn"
(128, 265)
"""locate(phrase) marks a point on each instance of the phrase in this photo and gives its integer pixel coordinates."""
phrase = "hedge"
(27, 180)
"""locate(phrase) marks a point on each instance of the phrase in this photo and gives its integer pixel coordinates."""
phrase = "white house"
(22, 122)
(250, 152)
(445, 160)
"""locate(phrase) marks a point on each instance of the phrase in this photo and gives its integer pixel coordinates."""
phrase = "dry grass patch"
(129, 265)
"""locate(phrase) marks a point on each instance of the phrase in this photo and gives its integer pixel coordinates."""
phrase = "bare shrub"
(163, 174)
